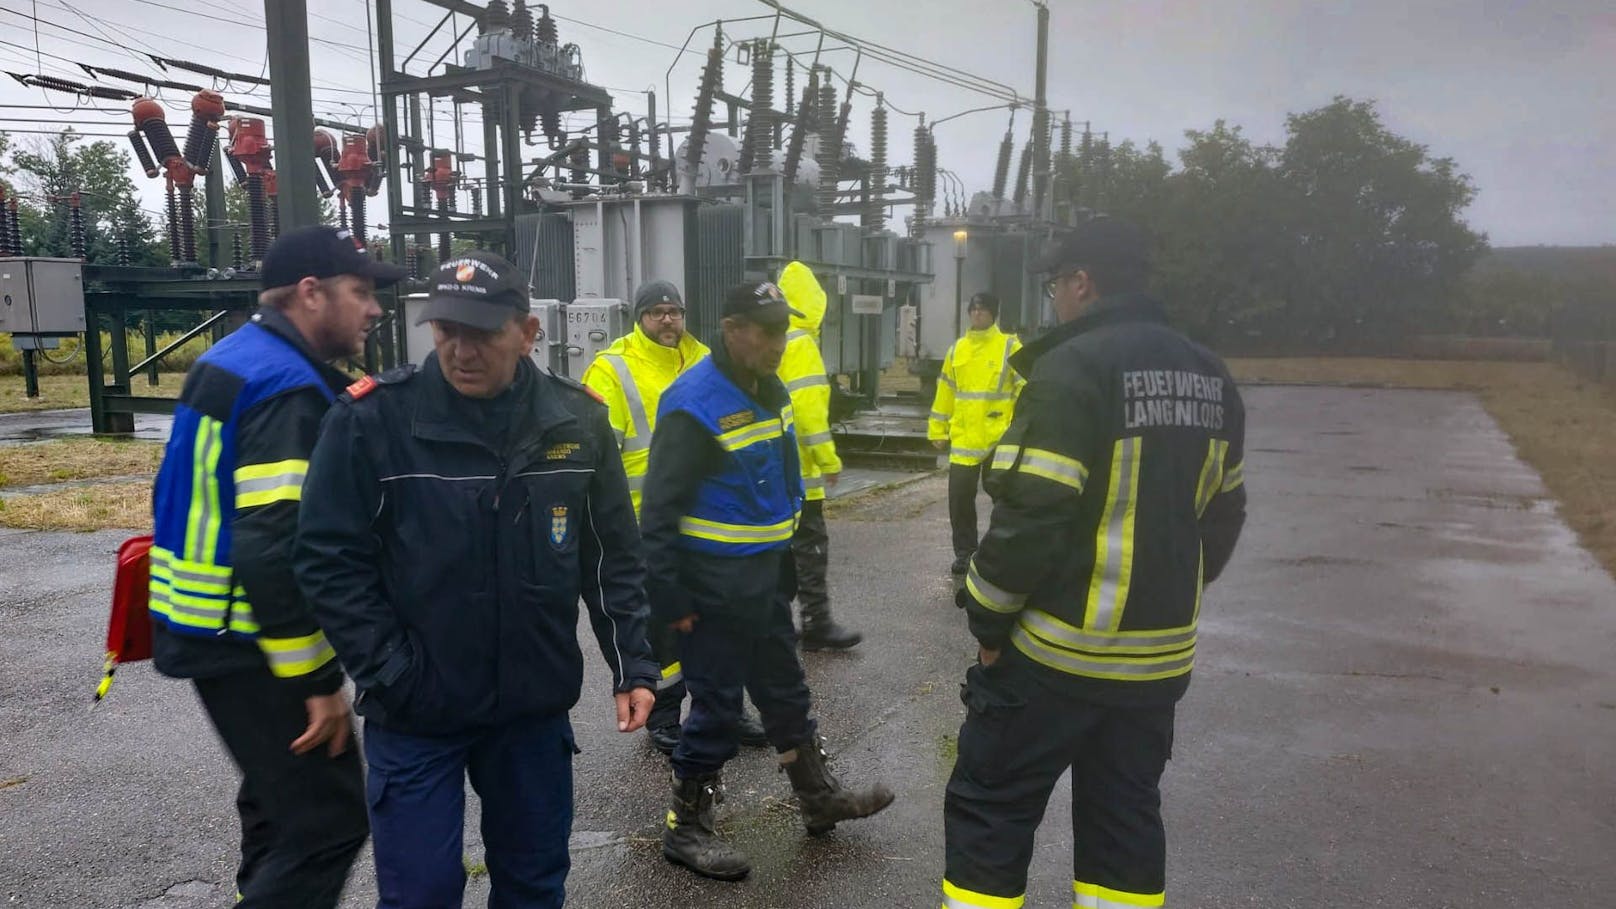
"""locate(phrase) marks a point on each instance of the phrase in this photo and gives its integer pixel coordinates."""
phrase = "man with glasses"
(976, 393)
(1118, 493)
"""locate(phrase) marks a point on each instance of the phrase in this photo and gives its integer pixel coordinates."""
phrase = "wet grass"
(76, 459)
(1563, 426)
(61, 392)
(109, 505)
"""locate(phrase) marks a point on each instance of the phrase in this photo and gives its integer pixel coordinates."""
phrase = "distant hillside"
(1574, 263)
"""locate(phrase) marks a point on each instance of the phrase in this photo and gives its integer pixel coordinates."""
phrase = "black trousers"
(1019, 737)
(670, 693)
(302, 816)
(963, 482)
(804, 574)
(723, 656)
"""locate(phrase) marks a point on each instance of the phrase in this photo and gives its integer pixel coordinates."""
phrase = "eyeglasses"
(1053, 284)
(665, 314)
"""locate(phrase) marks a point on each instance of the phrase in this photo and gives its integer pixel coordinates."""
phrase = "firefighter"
(454, 516)
(630, 377)
(802, 369)
(227, 613)
(722, 497)
(1117, 493)
(976, 393)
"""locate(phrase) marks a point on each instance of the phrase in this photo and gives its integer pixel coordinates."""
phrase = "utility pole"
(1040, 118)
(287, 23)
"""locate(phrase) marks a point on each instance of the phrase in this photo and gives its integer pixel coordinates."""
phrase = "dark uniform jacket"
(444, 544)
(1117, 494)
(261, 392)
(684, 455)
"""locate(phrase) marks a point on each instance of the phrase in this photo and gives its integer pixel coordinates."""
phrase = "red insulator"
(325, 162)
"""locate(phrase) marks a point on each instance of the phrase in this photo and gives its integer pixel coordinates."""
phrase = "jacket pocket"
(989, 741)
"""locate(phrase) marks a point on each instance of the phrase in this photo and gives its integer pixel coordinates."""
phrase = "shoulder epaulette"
(370, 383)
(575, 385)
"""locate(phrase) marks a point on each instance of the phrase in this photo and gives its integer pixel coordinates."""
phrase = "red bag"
(129, 634)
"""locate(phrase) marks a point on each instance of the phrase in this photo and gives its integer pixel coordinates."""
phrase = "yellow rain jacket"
(976, 394)
(631, 376)
(803, 370)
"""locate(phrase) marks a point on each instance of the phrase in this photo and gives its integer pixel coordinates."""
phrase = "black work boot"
(749, 731)
(825, 634)
(824, 801)
(689, 838)
(664, 737)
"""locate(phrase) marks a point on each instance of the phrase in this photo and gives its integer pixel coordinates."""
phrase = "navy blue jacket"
(446, 569)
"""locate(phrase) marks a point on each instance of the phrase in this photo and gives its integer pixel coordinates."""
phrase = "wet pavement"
(1404, 697)
(42, 425)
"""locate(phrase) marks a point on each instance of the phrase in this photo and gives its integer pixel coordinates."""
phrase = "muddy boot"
(689, 838)
(825, 634)
(824, 801)
(749, 731)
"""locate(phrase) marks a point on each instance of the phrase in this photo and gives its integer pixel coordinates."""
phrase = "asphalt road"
(1404, 698)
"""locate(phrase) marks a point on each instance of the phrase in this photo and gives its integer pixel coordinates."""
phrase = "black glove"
(963, 598)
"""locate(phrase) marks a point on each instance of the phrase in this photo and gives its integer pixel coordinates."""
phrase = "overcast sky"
(1523, 96)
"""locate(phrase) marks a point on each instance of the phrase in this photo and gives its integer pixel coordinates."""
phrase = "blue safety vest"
(752, 503)
(200, 484)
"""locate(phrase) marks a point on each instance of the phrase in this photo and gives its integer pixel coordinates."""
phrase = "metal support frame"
(287, 25)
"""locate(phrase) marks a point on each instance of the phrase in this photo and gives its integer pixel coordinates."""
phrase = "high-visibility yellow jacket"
(802, 368)
(631, 376)
(976, 395)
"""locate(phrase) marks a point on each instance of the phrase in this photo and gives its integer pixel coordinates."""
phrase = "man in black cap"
(453, 517)
(722, 498)
(227, 613)
(1118, 492)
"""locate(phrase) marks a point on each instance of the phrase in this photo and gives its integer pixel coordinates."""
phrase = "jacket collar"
(771, 392)
(275, 322)
(437, 410)
(638, 344)
(1108, 311)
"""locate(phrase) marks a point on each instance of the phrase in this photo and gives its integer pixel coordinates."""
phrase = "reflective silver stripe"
(762, 430)
(984, 396)
(818, 438)
(636, 484)
(698, 527)
(969, 452)
(161, 596)
(265, 484)
(1039, 463)
(1078, 664)
(210, 488)
(162, 566)
(1004, 367)
(621, 435)
(668, 681)
(801, 382)
(945, 380)
(1106, 605)
(303, 654)
(1234, 476)
(990, 595)
(796, 333)
(939, 416)
(636, 405)
(813, 482)
(1055, 631)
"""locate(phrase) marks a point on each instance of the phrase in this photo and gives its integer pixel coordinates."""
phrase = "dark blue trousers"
(722, 656)
(416, 789)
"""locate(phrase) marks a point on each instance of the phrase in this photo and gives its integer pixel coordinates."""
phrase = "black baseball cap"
(1101, 242)
(760, 301)
(479, 289)
(321, 251)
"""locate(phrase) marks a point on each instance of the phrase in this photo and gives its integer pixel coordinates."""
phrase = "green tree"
(49, 169)
(1380, 243)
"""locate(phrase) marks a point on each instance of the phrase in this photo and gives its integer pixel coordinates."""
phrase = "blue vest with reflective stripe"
(752, 503)
(192, 590)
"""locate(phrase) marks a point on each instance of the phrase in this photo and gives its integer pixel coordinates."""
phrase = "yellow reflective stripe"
(1093, 896)
(802, 382)
(957, 897)
(293, 657)
(180, 609)
(1234, 477)
(194, 576)
(993, 597)
(261, 484)
(1113, 544)
(751, 434)
(203, 521)
(672, 674)
(1211, 474)
(719, 532)
(1052, 630)
(1109, 666)
(1038, 462)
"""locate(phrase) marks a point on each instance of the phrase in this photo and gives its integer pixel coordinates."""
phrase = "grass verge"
(60, 392)
(100, 507)
(76, 459)
(1561, 425)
